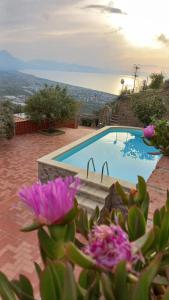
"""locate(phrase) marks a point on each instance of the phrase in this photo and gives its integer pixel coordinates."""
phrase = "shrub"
(157, 135)
(146, 110)
(51, 104)
(119, 259)
(7, 119)
(156, 80)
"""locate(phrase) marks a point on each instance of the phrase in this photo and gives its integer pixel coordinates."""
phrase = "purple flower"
(52, 201)
(149, 131)
(108, 245)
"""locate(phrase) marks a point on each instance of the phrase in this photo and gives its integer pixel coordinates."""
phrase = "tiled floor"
(18, 167)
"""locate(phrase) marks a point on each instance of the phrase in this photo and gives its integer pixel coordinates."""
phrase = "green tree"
(146, 110)
(6, 120)
(51, 104)
(157, 80)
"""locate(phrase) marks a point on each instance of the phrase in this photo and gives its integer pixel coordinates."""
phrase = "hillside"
(18, 87)
(123, 107)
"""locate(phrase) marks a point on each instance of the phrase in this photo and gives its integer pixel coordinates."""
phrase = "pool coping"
(48, 159)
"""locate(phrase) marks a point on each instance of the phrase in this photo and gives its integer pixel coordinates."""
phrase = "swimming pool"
(122, 148)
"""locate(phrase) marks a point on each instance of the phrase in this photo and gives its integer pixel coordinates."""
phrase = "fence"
(27, 126)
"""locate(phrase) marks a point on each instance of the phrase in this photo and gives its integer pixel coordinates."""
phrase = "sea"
(108, 83)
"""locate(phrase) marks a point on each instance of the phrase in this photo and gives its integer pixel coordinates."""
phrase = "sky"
(112, 35)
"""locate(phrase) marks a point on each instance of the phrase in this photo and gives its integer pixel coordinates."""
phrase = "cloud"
(163, 39)
(106, 8)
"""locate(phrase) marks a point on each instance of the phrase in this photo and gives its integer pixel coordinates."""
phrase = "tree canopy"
(52, 104)
(156, 80)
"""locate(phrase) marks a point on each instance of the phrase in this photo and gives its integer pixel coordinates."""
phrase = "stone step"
(93, 181)
(93, 193)
(87, 204)
(114, 118)
(114, 123)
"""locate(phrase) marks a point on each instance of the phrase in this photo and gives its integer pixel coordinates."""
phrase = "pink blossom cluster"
(108, 245)
(50, 202)
(149, 131)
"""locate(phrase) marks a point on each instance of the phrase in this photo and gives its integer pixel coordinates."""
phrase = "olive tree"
(51, 104)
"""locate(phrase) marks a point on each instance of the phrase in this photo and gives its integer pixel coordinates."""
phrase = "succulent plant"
(122, 259)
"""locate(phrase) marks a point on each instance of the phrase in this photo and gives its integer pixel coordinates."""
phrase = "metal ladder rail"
(107, 167)
(88, 165)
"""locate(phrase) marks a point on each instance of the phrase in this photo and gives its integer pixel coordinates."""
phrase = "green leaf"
(136, 223)
(31, 227)
(93, 291)
(51, 248)
(70, 288)
(162, 212)
(149, 242)
(164, 232)
(6, 291)
(167, 201)
(49, 285)
(157, 218)
(23, 288)
(141, 291)
(142, 189)
(145, 205)
(86, 278)
(70, 232)
(82, 222)
(58, 231)
(78, 257)
(26, 287)
(58, 271)
(121, 193)
(121, 291)
(38, 269)
(107, 287)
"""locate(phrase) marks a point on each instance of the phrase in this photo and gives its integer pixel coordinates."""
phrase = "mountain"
(18, 86)
(8, 62)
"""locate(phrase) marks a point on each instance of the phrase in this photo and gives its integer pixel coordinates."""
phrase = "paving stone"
(18, 167)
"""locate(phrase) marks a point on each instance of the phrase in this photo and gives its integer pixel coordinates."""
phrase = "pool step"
(93, 193)
(94, 180)
(88, 204)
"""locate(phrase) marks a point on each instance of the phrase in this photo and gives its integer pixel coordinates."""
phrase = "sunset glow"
(143, 23)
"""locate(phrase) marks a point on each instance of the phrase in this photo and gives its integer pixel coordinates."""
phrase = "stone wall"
(47, 172)
(125, 113)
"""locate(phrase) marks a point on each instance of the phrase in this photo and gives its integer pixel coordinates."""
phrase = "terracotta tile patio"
(18, 167)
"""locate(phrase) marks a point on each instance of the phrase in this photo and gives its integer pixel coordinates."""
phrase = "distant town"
(17, 87)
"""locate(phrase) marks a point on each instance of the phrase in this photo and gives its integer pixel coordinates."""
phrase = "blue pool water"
(123, 149)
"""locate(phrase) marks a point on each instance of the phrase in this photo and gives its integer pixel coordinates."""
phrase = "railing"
(107, 167)
(88, 165)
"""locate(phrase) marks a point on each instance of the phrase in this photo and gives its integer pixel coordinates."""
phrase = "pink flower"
(108, 245)
(149, 131)
(52, 201)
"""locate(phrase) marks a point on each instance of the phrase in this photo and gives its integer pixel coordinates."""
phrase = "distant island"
(17, 87)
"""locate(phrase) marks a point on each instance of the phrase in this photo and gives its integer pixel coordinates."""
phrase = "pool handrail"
(107, 167)
(88, 165)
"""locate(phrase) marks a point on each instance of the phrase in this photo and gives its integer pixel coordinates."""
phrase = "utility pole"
(135, 75)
